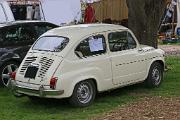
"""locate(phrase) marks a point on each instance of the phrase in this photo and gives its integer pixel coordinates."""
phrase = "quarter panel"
(73, 71)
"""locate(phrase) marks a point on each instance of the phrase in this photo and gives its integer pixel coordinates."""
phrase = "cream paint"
(109, 70)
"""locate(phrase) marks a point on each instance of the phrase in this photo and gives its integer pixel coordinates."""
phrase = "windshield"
(53, 44)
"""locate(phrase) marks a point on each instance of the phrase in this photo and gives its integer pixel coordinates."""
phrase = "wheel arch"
(89, 79)
(74, 100)
(94, 81)
(160, 61)
(151, 82)
(10, 60)
(70, 92)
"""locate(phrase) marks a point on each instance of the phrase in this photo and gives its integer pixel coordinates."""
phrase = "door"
(93, 57)
(128, 63)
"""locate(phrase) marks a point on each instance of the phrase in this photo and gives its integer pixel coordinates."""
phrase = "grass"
(176, 43)
(12, 108)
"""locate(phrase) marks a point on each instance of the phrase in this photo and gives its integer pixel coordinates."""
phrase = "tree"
(144, 19)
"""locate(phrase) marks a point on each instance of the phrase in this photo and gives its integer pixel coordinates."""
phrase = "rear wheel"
(155, 75)
(5, 70)
(84, 94)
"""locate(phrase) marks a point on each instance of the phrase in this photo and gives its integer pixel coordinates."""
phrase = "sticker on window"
(96, 44)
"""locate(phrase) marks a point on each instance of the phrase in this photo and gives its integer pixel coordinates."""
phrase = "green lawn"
(12, 108)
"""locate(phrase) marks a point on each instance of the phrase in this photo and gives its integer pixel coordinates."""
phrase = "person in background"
(89, 14)
(30, 11)
(37, 15)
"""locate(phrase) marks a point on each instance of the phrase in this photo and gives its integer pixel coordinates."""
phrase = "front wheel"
(155, 75)
(5, 71)
(84, 94)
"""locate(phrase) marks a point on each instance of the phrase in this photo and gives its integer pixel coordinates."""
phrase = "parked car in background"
(15, 40)
(76, 62)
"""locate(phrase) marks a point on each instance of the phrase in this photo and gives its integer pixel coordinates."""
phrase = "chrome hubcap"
(156, 76)
(5, 73)
(84, 93)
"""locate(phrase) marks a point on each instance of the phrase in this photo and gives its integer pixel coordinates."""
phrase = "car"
(15, 40)
(79, 61)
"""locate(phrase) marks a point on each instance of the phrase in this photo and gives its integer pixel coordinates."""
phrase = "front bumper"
(41, 92)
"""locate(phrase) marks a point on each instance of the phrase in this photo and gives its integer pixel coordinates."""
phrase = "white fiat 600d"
(76, 62)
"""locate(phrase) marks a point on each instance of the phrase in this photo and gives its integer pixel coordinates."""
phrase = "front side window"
(119, 41)
(52, 44)
(93, 45)
(131, 42)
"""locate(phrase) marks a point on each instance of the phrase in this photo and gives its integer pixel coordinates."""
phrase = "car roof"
(21, 22)
(82, 30)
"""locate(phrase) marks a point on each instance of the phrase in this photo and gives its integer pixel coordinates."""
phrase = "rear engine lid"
(38, 68)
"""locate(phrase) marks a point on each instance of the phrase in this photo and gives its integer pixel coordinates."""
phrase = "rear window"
(52, 44)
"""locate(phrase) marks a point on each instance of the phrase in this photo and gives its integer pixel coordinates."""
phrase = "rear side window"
(94, 45)
(27, 33)
(52, 44)
(40, 29)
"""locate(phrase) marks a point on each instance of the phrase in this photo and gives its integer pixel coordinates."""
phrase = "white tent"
(55, 11)
(61, 11)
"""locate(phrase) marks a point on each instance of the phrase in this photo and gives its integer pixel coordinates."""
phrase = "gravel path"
(172, 50)
(155, 108)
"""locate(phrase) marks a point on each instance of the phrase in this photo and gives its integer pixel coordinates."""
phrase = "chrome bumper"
(41, 92)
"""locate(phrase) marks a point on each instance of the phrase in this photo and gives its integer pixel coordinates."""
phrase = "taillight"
(53, 82)
(12, 75)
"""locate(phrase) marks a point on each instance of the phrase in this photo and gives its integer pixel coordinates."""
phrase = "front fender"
(157, 59)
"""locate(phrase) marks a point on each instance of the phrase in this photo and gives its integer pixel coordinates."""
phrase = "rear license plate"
(31, 72)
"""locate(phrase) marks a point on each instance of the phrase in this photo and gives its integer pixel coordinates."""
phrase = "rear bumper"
(41, 92)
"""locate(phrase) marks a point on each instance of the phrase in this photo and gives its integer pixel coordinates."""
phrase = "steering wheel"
(117, 46)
